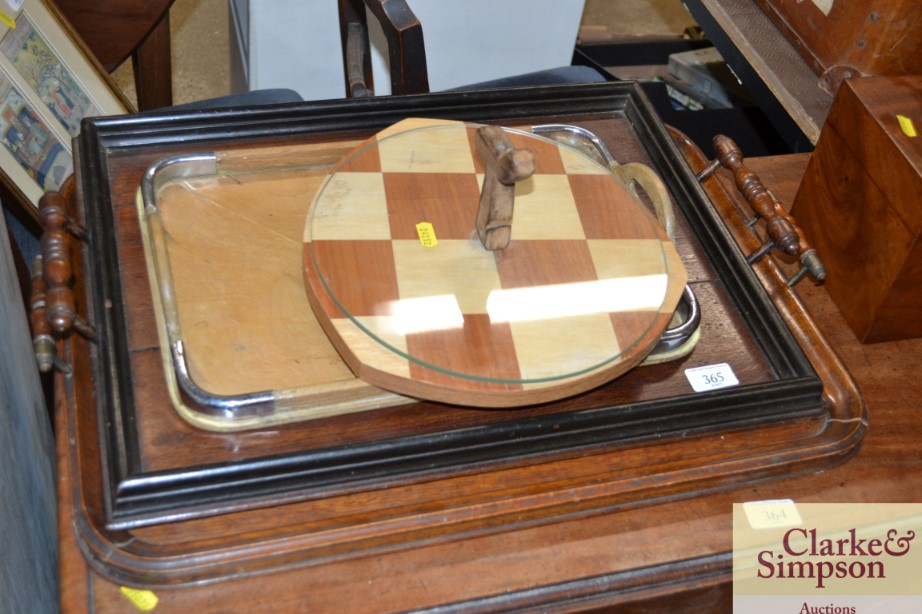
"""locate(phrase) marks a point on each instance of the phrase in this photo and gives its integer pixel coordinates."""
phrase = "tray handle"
(53, 312)
(635, 173)
(783, 232)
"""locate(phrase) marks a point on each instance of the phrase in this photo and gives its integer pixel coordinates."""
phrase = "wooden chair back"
(406, 51)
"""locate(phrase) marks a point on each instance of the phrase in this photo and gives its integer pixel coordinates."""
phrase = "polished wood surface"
(115, 30)
(860, 202)
(781, 230)
(235, 347)
(850, 39)
(151, 501)
(411, 517)
(406, 50)
(161, 468)
(673, 554)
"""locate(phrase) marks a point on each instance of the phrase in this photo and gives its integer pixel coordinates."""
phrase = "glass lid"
(485, 265)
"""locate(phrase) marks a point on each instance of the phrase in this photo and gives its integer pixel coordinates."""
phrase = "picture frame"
(49, 82)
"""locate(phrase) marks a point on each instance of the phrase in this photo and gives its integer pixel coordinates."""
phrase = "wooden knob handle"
(505, 166)
(52, 211)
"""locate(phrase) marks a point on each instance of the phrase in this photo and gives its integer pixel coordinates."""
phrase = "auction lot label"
(827, 558)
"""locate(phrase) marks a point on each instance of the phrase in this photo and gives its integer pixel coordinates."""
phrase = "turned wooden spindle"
(58, 275)
(53, 214)
(784, 233)
(57, 265)
(42, 340)
(505, 166)
(781, 226)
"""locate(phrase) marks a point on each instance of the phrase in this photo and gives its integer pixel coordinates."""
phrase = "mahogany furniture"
(848, 39)
(116, 30)
(860, 202)
(572, 506)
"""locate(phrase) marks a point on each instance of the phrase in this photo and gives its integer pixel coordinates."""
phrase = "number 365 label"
(711, 377)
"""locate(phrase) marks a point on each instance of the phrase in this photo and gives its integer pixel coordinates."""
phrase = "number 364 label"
(711, 377)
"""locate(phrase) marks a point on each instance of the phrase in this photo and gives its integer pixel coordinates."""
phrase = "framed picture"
(48, 83)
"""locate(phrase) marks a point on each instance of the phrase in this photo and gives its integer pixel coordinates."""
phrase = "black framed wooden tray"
(243, 351)
(159, 500)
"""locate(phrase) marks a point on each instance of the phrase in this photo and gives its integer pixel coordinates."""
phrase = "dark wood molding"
(417, 474)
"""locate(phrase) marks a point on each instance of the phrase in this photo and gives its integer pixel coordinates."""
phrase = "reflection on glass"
(493, 311)
(641, 293)
(425, 314)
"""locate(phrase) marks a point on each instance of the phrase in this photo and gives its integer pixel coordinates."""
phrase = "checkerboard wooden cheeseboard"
(580, 294)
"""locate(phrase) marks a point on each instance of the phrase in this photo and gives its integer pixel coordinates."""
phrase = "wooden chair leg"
(153, 68)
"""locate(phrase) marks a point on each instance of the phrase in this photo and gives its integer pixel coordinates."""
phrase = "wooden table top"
(674, 554)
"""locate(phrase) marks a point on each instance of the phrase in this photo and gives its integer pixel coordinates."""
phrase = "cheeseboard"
(419, 298)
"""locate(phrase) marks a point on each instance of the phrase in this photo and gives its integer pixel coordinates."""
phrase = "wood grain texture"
(505, 166)
(114, 30)
(884, 38)
(674, 553)
(152, 63)
(859, 201)
(366, 270)
(160, 430)
(340, 524)
(238, 268)
(233, 285)
(167, 505)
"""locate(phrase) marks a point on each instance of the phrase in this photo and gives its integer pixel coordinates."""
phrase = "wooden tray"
(245, 349)
(159, 501)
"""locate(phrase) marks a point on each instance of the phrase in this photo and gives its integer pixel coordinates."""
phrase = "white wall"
(295, 43)
(480, 40)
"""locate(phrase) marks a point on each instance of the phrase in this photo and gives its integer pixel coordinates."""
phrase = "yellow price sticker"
(907, 126)
(426, 234)
(144, 600)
